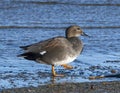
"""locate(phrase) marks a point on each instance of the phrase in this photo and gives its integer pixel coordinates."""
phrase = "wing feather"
(47, 45)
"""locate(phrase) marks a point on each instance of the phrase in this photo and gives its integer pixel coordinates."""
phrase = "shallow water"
(24, 22)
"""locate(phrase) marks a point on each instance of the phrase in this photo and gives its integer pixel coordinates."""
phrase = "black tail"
(29, 56)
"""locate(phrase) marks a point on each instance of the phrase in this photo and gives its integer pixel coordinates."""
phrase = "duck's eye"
(78, 28)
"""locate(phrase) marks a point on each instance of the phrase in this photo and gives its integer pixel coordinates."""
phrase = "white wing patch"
(43, 52)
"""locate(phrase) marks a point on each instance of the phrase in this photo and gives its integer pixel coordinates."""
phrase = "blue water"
(25, 22)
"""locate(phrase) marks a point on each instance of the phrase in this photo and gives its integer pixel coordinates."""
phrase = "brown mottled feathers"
(47, 45)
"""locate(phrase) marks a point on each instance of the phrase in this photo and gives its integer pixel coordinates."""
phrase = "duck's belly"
(64, 61)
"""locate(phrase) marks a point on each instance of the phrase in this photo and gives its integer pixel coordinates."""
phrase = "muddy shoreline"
(93, 87)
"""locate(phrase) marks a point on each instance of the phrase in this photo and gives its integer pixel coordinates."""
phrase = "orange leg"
(54, 73)
(67, 66)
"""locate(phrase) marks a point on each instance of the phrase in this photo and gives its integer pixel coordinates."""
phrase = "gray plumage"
(57, 50)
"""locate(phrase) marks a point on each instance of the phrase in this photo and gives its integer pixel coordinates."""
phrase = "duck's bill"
(84, 34)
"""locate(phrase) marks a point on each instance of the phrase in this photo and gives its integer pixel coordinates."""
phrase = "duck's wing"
(45, 50)
(47, 45)
(36, 46)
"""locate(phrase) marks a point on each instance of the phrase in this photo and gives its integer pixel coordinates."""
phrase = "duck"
(58, 50)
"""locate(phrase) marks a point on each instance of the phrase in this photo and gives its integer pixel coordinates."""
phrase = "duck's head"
(74, 31)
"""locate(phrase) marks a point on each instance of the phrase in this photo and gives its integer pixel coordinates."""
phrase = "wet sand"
(93, 87)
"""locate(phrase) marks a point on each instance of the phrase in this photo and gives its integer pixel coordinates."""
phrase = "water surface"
(25, 22)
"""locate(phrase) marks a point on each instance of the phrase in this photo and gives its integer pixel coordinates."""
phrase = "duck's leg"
(66, 66)
(54, 73)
